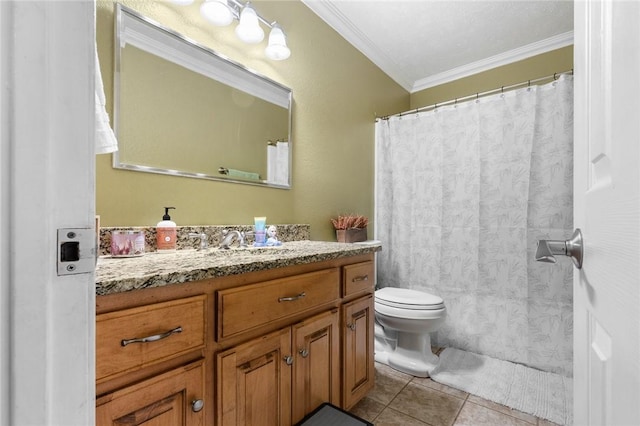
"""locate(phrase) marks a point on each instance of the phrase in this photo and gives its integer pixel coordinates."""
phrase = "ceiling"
(424, 43)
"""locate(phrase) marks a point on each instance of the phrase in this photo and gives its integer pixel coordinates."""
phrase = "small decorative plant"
(350, 228)
(350, 221)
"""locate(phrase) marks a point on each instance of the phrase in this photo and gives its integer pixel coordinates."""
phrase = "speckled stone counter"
(116, 275)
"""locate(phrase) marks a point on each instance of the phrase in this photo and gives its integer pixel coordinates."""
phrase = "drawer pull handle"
(291, 299)
(351, 326)
(360, 278)
(153, 338)
(304, 353)
(288, 360)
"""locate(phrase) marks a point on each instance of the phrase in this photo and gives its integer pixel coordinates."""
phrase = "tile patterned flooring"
(400, 399)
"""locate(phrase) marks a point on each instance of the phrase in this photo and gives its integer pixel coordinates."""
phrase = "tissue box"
(351, 235)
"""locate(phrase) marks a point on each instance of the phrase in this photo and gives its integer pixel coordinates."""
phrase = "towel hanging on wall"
(105, 139)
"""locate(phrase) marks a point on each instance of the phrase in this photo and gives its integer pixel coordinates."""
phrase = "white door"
(46, 183)
(607, 209)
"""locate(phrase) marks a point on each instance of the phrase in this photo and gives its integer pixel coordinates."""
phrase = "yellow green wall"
(336, 92)
(528, 69)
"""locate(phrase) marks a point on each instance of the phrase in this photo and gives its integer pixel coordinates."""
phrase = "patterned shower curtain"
(463, 193)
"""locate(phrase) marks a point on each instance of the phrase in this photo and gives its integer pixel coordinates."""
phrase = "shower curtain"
(463, 193)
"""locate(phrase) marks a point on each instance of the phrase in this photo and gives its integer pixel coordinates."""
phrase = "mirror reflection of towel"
(241, 174)
(278, 163)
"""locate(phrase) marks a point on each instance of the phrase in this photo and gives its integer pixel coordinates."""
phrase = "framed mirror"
(181, 109)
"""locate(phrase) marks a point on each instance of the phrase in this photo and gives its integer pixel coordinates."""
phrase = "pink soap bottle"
(166, 233)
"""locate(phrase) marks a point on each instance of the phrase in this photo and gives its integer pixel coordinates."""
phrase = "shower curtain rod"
(555, 76)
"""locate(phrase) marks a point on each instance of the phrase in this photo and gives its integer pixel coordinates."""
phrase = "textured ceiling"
(423, 43)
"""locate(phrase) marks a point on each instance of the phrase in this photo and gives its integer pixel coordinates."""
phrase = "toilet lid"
(408, 299)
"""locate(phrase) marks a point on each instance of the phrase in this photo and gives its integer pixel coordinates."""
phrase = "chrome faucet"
(203, 240)
(229, 237)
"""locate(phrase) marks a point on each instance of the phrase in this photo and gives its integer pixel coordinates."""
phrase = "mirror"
(183, 110)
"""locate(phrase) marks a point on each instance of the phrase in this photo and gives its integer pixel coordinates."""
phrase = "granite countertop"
(116, 275)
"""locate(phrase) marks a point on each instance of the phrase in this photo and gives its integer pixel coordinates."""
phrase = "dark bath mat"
(330, 415)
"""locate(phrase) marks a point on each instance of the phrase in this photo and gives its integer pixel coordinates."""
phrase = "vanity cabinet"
(278, 378)
(131, 339)
(244, 308)
(264, 347)
(254, 382)
(358, 350)
(174, 398)
(150, 337)
(357, 338)
(316, 364)
(357, 278)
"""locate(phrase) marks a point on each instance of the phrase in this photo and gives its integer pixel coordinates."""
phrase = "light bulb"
(248, 30)
(217, 12)
(277, 48)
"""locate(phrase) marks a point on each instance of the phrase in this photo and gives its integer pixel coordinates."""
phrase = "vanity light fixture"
(277, 48)
(223, 12)
(248, 30)
(217, 12)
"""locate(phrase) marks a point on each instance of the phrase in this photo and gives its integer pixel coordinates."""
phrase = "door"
(46, 183)
(175, 398)
(358, 363)
(316, 366)
(607, 209)
(254, 382)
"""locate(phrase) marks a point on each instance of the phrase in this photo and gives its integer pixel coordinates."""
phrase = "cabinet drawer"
(357, 278)
(172, 328)
(166, 399)
(241, 309)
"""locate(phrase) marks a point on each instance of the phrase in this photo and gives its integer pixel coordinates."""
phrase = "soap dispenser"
(166, 233)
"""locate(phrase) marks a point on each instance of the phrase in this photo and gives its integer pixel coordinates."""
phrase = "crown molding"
(511, 56)
(330, 14)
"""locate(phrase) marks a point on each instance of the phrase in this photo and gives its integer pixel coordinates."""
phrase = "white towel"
(105, 140)
(278, 163)
(283, 163)
(272, 152)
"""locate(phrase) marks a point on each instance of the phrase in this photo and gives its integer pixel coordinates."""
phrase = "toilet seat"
(403, 298)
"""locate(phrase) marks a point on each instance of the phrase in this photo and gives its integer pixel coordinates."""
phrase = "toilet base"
(407, 363)
(411, 355)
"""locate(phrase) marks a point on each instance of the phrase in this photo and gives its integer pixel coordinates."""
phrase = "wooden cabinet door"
(316, 367)
(358, 357)
(254, 382)
(170, 399)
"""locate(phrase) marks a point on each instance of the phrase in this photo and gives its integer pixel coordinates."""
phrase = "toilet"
(403, 320)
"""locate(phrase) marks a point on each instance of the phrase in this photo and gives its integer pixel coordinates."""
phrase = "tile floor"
(399, 399)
